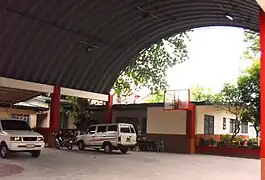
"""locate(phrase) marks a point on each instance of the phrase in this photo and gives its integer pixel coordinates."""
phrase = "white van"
(118, 136)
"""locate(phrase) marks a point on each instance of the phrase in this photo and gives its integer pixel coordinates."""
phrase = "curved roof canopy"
(86, 44)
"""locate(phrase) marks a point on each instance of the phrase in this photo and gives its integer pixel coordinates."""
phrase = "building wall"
(6, 113)
(218, 113)
(160, 121)
(169, 127)
(129, 113)
(44, 120)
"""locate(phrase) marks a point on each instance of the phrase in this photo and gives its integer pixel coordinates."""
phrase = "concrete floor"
(76, 165)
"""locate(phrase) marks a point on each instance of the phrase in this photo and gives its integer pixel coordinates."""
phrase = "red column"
(262, 92)
(191, 121)
(55, 109)
(109, 109)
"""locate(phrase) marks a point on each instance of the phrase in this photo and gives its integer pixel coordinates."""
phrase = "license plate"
(30, 146)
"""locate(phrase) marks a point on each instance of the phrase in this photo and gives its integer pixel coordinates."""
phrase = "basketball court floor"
(75, 165)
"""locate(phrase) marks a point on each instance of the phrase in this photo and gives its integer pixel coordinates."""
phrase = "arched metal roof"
(86, 44)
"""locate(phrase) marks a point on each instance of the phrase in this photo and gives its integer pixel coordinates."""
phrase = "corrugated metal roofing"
(85, 44)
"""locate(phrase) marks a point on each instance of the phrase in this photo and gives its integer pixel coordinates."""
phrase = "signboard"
(261, 4)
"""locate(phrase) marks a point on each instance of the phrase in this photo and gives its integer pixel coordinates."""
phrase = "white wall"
(219, 114)
(160, 121)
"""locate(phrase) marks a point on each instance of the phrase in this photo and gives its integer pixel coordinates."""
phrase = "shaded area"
(9, 96)
(86, 44)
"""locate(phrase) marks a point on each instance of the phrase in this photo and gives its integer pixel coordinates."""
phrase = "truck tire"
(81, 145)
(124, 150)
(4, 151)
(107, 148)
(35, 154)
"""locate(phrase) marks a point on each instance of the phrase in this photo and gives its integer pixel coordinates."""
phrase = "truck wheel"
(107, 148)
(81, 145)
(124, 150)
(35, 154)
(4, 151)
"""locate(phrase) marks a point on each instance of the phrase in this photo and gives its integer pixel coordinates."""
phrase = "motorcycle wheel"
(69, 146)
(57, 145)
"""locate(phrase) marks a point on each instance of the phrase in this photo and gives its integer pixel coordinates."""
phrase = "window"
(101, 129)
(24, 117)
(92, 129)
(132, 129)
(63, 120)
(208, 124)
(224, 123)
(232, 125)
(112, 128)
(125, 129)
(244, 127)
(15, 125)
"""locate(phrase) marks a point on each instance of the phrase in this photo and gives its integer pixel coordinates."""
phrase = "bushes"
(253, 143)
(225, 141)
(210, 142)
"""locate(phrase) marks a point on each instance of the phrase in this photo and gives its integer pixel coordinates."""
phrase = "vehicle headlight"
(15, 138)
(40, 139)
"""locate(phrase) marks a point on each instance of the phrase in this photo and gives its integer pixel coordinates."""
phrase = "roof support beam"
(44, 88)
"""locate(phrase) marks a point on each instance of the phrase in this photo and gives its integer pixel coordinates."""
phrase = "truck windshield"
(15, 125)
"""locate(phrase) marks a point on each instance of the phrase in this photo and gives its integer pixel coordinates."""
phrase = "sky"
(215, 58)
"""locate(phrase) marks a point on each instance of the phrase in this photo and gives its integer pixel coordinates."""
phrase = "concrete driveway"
(76, 165)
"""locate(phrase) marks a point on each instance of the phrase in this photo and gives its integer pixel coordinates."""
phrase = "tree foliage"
(156, 98)
(200, 94)
(249, 81)
(149, 68)
(251, 39)
(230, 99)
(249, 85)
(79, 109)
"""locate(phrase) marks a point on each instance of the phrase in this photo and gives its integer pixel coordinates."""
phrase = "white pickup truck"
(17, 136)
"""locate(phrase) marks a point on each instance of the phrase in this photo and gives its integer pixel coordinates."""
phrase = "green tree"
(149, 68)
(230, 99)
(79, 109)
(249, 81)
(203, 94)
(249, 85)
(251, 39)
(156, 98)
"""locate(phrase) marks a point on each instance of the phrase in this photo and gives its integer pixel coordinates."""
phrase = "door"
(127, 137)
(133, 135)
(90, 136)
(100, 135)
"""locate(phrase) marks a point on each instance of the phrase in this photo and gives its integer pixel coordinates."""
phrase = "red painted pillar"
(55, 109)
(262, 92)
(109, 109)
(191, 121)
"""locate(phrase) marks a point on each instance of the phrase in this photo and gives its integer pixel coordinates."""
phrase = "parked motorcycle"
(61, 142)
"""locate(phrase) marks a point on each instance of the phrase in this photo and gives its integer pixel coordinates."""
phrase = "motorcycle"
(60, 142)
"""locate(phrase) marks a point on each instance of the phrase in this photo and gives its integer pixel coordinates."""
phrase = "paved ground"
(76, 165)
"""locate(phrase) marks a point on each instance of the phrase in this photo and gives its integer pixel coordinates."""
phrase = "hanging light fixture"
(229, 16)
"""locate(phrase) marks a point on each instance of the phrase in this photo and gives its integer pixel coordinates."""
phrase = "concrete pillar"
(108, 118)
(191, 128)
(262, 92)
(54, 113)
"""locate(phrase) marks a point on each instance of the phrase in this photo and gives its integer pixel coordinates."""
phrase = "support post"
(109, 109)
(54, 113)
(191, 128)
(262, 92)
